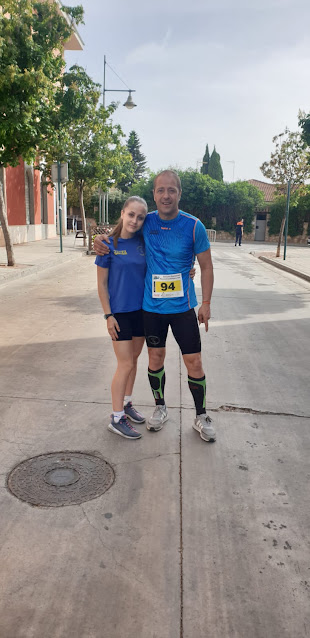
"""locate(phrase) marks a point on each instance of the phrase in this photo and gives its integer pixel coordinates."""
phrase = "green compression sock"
(198, 390)
(157, 380)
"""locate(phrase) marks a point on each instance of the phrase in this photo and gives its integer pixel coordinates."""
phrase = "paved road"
(192, 540)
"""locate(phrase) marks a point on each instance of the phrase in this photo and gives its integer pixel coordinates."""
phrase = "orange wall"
(50, 205)
(15, 195)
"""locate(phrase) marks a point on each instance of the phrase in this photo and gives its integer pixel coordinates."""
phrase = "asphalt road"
(193, 540)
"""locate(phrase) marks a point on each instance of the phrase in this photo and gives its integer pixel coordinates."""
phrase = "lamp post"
(60, 176)
(129, 104)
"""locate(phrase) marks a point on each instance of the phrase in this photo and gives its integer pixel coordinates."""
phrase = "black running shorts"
(131, 325)
(184, 326)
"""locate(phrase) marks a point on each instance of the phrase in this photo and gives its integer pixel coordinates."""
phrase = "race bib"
(164, 286)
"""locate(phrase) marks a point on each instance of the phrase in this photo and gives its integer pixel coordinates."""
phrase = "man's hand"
(204, 314)
(113, 328)
(99, 247)
(192, 272)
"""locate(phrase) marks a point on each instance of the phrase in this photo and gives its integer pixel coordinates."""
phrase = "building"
(31, 205)
(261, 218)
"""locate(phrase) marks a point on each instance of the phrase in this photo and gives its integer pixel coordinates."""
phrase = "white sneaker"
(203, 425)
(158, 419)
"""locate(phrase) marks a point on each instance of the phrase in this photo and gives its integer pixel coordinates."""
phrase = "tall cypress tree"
(215, 169)
(139, 164)
(205, 162)
(139, 159)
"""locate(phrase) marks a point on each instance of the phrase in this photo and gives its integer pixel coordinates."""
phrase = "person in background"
(239, 232)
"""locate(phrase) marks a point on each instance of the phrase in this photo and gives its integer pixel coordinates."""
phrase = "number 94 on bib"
(164, 286)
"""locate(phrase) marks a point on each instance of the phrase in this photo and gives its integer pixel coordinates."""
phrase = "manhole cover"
(60, 478)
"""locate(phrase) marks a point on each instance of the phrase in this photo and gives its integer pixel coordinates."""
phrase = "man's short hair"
(169, 172)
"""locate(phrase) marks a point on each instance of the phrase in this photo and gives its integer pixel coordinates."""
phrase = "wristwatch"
(109, 315)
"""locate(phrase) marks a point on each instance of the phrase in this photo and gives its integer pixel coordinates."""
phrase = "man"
(172, 240)
(239, 232)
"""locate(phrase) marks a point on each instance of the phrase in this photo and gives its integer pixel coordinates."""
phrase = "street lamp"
(60, 176)
(129, 104)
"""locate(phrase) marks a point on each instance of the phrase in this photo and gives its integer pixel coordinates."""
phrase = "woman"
(120, 277)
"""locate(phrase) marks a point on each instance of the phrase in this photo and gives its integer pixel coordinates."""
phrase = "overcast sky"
(230, 73)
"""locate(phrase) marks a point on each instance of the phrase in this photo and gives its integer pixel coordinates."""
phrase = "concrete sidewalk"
(297, 260)
(192, 540)
(36, 256)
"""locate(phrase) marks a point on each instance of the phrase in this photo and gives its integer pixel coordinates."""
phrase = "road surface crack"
(236, 408)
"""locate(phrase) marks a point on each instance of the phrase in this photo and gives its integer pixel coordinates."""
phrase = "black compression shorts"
(184, 326)
(131, 325)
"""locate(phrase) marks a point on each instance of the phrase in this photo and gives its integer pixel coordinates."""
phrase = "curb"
(292, 271)
(33, 269)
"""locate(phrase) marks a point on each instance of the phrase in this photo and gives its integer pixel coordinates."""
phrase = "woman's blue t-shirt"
(127, 268)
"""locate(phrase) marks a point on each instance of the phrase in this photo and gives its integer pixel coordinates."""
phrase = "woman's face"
(133, 217)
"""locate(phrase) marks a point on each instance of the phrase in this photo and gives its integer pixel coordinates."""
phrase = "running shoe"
(123, 428)
(132, 413)
(158, 419)
(203, 425)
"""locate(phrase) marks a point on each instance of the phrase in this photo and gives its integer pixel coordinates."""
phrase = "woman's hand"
(113, 328)
(192, 272)
(99, 247)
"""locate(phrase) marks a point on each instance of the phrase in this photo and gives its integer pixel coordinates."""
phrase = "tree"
(139, 160)
(90, 143)
(205, 198)
(288, 163)
(304, 123)
(137, 168)
(214, 168)
(299, 206)
(32, 34)
(198, 194)
(233, 201)
(205, 162)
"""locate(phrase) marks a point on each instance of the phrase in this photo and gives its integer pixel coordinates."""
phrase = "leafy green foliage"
(76, 13)
(304, 123)
(205, 198)
(116, 201)
(205, 162)
(32, 35)
(137, 167)
(299, 213)
(138, 158)
(288, 161)
(144, 188)
(214, 167)
(85, 136)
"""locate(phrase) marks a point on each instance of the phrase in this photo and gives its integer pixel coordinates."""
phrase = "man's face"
(167, 196)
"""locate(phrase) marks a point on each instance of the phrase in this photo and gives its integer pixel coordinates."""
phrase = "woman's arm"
(103, 292)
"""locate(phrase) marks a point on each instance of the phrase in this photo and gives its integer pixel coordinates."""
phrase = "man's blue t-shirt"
(127, 269)
(170, 248)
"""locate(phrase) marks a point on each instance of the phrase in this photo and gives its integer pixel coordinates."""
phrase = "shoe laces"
(205, 417)
(124, 419)
(160, 408)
